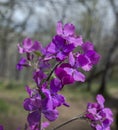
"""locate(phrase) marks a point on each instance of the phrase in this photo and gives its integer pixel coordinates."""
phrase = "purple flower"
(57, 99)
(51, 114)
(64, 76)
(30, 91)
(48, 107)
(68, 32)
(88, 58)
(29, 46)
(87, 46)
(68, 75)
(59, 48)
(39, 76)
(34, 118)
(55, 85)
(39, 103)
(93, 56)
(100, 117)
(45, 98)
(90, 53)
(22, 63)
(33, 105)
(46, 101)
(82, 61)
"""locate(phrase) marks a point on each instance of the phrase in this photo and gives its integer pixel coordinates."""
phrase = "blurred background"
(95, 20)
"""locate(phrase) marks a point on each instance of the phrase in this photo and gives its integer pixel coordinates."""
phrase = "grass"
(3, 106)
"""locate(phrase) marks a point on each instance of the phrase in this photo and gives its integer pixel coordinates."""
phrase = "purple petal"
(93, 56)
(36, 101)
(77, 41)
(92, 111)
(28, 105)
(69, 70)
(51, 48)
(20, 49)
(65, 65)
(36, 46)
(27, 43)
(60, 56)
(59, 28)
(22, 63)
(87, 46)
(45, 125)
(68, 48)
(71, 59)
(100, 99)
(60, 72)
(38, 76)
(87, 67)
(90, 116)
(59, 100)
(47, 102)
(82, 60)
(67, 80)
(29, 91)
(59, 42)
(78, 76)
(51, 115)
(34, 117)
(99, 127)
(108, 114)
(69, 29)
(55, 85)
(106, 123)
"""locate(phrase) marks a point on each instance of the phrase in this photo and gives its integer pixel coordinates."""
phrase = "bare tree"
(112, 49)
(9, 35)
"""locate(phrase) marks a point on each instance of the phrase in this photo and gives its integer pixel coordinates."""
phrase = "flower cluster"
(71, 55)
(100, 117)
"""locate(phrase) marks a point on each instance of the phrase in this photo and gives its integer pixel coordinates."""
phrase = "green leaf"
(37, 53)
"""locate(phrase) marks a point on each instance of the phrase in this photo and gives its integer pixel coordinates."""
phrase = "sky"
(44, 13)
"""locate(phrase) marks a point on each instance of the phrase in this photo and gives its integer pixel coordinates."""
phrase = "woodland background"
(95, 20)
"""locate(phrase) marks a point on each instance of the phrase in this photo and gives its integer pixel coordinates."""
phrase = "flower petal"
(34, 117)
(51, 115)
(78, 76)
(69, 29)
(59, 28)
(55, 85)
(100, 99)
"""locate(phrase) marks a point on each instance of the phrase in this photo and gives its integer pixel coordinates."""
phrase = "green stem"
(69, 121)
(52, 71)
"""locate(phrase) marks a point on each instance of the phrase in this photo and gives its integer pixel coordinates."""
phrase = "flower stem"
(40, 122)
(26, 127)
(52, 71)
(69, 121)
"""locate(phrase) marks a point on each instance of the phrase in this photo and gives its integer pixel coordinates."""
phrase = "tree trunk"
(102, 88)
